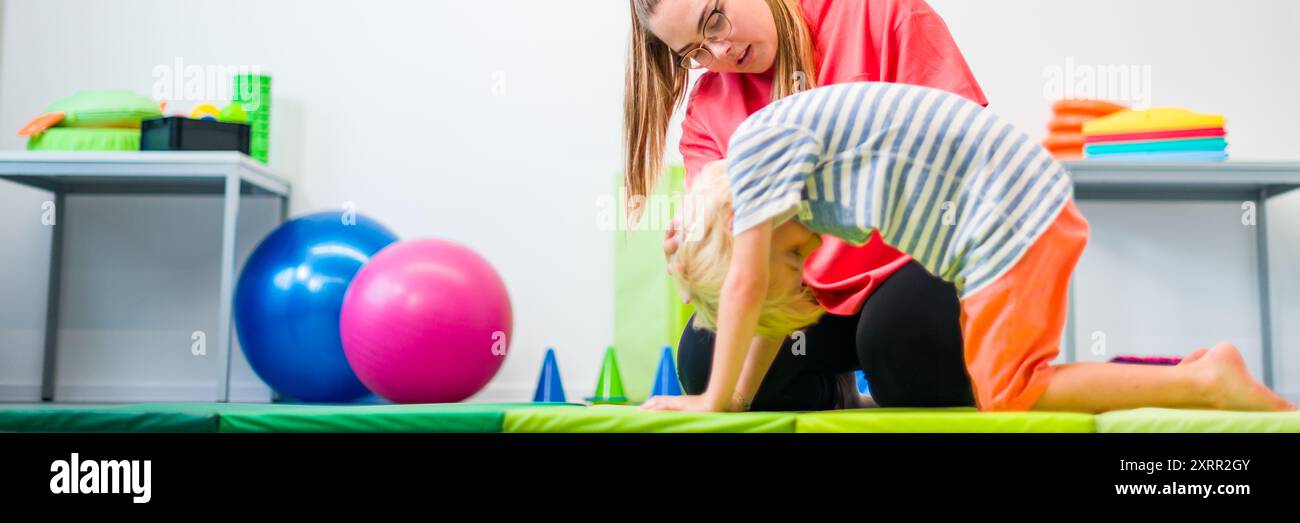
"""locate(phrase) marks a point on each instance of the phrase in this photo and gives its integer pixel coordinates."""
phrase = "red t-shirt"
(900, 41)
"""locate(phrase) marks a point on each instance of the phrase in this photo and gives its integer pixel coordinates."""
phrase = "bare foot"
(1195, 355)
(1230, 385)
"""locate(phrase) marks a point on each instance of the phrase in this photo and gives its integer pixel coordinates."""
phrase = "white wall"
(396, 106)
(391, 105)
(1218, 56)
(1164, 278)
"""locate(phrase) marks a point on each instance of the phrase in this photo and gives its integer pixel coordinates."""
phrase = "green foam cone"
(609, 386)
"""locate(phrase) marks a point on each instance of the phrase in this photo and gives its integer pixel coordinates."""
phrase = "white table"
(1232, 180)
(230, 175)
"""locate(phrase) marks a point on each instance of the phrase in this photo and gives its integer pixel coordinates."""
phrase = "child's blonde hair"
(704, 255)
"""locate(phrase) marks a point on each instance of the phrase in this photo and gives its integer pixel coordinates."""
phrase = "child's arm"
(762, 351)
(743, 293)
(742, 297)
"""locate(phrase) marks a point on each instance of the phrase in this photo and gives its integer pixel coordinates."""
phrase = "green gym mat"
(253, 417)
(450, 417)
(1175, 420)
(137, 417)
(619, 418)
(569, 417)
(942, 420)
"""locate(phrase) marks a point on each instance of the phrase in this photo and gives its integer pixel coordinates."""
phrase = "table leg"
(48, 372)
(284, 216)
(229, 219)
(1265, 303)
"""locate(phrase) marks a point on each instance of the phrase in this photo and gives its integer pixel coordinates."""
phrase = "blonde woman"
(887, 315)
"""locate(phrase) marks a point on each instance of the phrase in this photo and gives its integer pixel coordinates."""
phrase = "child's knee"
(1015, 393)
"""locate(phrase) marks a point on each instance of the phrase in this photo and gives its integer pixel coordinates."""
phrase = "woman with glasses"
(752, 52)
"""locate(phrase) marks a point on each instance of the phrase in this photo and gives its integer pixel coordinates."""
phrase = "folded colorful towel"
(1158, 135)
(1157, 146)
(1068, 123)
(1201, 156)
(1152, 120)
(1065, 131)
(1057, 141)
(1089, 108)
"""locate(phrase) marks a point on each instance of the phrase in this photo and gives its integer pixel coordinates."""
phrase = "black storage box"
(177, 133)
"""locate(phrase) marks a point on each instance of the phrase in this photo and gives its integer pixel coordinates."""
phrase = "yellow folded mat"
(1154, 119)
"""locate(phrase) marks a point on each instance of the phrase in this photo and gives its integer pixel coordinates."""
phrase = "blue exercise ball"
(289, 299)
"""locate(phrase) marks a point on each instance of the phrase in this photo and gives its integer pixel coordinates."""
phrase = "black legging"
(906, 339)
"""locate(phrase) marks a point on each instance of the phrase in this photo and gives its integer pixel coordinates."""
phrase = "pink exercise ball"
(426, 321)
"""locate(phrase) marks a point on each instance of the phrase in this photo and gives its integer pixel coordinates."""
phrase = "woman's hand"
(670, 241)
(675, 226)
(690, 403)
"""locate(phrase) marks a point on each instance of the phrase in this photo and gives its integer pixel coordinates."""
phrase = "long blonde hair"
(655, 85)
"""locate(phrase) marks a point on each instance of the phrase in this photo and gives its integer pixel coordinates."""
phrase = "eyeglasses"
(716, 29)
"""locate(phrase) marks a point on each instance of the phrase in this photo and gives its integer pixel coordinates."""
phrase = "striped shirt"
(942, 178)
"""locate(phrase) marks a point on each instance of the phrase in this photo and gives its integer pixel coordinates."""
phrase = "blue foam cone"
(549, 387)
(863, 386)
(666, 383)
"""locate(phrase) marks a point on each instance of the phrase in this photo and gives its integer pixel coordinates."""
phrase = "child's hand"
(691, 403)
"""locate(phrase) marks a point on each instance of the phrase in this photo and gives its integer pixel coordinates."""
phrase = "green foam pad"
(141, 417)
(1176, 420)
(105, 108)
(85, 139)
(648, 311)
(615, 418)
(942, 420)
(449, 417)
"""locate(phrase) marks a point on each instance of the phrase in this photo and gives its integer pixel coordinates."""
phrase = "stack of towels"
(1164, 133)
(1065, 130)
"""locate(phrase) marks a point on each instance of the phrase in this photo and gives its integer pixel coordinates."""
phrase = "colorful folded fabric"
(1200, 156)
(1068, 123)
(1157, 146)
(1158, 135)
(1089, 108)
(1152, 120)
(1057, 141)
(1065, 137)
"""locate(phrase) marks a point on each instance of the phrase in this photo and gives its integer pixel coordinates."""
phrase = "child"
(969, 197)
